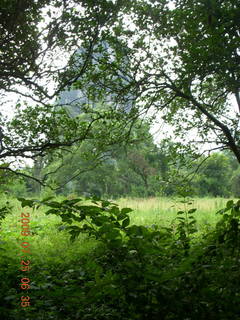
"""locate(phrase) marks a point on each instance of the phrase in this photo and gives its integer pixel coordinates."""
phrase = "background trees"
(214, 178)
(178, 61)
(139, 170)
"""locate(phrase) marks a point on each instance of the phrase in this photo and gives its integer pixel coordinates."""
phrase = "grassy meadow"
(162, 211)
(50, 240)
(48, 237)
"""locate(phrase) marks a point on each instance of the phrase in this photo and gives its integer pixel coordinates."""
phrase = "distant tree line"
(141, 169)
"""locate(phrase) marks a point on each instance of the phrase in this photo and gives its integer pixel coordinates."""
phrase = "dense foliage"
(180, 59)
(84, 81)
(141, 169)
(132, 272)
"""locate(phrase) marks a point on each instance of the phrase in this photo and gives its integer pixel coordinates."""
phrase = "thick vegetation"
(111, 268)
(78, 78)
(142, 169)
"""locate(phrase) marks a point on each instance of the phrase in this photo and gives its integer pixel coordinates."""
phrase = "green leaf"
(26, 202)
(192, 210)
(52, 211)
(54, 204)
(72, 202)
(180, 212)
(47, 199)
(113, 234)
(99, 221)
(121, 216)
(126, 210)
(125, 222)
(115, 210)
(105, 203)
(229, 204)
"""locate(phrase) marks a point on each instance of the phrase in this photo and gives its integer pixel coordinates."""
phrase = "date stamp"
(25, 262)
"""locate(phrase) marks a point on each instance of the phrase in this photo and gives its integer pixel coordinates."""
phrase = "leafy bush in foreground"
(136, 272)
(144, 273)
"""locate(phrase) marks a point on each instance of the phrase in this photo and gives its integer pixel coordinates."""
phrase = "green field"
(48, 240)
(159, 211)
(162, 211)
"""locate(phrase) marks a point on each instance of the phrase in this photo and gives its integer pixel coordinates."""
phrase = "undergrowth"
(93, 263)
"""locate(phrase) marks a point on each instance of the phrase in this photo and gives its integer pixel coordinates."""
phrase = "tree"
(39, 44)
(181, 59)
(122, 170)
(184, 63)
(214, 178)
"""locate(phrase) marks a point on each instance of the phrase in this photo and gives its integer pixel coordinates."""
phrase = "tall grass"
(162, 211)
(47, 241)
